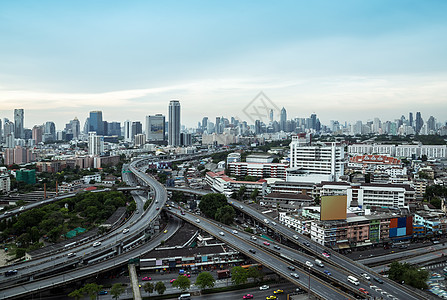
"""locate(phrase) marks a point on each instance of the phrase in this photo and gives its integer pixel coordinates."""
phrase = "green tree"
(241, 192)
(253, 272)
(205, 280)
(160, 287)
(149, 287)
(210, 203)
(182, 282)
(225, 214)
(77, 294)
(238, 275)
(116, 290)
(254, 194)
(408, 274)
(92, 290)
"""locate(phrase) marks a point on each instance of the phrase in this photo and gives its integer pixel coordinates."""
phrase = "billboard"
(333, 207)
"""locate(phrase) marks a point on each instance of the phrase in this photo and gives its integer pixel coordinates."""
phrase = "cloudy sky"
(343, 60)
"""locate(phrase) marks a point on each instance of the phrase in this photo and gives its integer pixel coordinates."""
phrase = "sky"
(343, 60)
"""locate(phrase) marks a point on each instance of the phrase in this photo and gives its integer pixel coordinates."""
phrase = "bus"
(353, 280)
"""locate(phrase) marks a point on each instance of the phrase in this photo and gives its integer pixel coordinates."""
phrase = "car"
(172, 280)
(309, 264)
(166, 231)
(234, 231)
(22, 208)
(96, 244)
(327, 272)
(264, 287)
(266, 243)
(254, 238)
(125, 230)
(248, 296)
(366, 276)
(187, 275)
(292, 268)
(326, 254)
(102, 293)
(198, 220)
(170, 208)
(273, 223)
(307, 244)
(271, 297)
(295, 237)
(252, 251)
(295, 275)
(183, 213)
(146, 278)
(277, 247)
(157, 208)
(379, 280)
(364, 291)
(221, 233)
(10, 272)
(71, 254)
(278, 291)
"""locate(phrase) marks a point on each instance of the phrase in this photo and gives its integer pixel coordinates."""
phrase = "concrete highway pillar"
(134, 282)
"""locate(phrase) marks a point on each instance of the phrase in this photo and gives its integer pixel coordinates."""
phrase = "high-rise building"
(128, 131)
(410, 119)
(140, 139)
(96, 123)
(174, 123)
(283, 119)
(37, 133)
(419, 122)
(18, 123)
(204, 123)
(155, 128)
(95, 144)
(114, 128)
(217, 128)
(185, 139)
(271, 116)
(1, 132)
(431, 124)
(50, 131)
(137, 128)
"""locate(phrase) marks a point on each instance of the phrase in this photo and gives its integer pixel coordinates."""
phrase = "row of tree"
(407, 274)
(215, 206)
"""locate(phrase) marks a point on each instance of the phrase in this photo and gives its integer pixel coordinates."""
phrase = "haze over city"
(343, 60)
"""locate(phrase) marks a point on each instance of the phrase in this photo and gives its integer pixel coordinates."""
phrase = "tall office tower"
(377, 125)
(283, 119)
(419, 122)
(217, 125)
(128, 131)
(86, 126)
(313, 121)
(174, 123)
(137, 128)
(95, 122)
(1, 132)
(205, 123)
(50, 131)
(114, 128)
(431, 124)
(258, 127)
(410, 119)
(8, 128)
(185, 139)
(95, 144)
(271, 116)
(105, 128)
(37, 133)
(75, 127)
(155, 128)
(18, 123)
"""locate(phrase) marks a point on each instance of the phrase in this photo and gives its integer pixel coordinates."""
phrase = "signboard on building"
(333, 208)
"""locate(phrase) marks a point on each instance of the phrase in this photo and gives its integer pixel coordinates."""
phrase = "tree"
(148, 287)
(210, 203)
(182, 282)
(205, 280)
(92, 290)
(77, 294)
(160, 287)
(253, 272)
(409, 274)
(254, 194)
(225, 214)
(241, 192)
(238, 275)
(116, 290)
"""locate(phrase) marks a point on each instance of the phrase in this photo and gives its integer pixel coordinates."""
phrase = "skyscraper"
(75, 127)
(283, 119)
(410, 119)
(137, 128)
(128, 131)
(95, 144)
(50, 131)
(155, 128)
(95, 122)
(204, 123)
(37, 133)
(419, 122)
(174, 123)
(18, 123)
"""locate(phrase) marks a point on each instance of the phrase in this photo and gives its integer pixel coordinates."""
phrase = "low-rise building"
(221, 183)
(287, 201)
(262, 170)
(88, 178)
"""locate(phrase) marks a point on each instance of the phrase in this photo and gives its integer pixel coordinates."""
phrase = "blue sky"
(343, 60)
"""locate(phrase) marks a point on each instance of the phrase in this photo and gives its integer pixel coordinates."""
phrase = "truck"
(223, 274)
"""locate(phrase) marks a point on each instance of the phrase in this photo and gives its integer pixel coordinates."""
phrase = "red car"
(364, 291)
(146, 278)
(172, 280)
(187, 275)
(267, 243)
(248, 296)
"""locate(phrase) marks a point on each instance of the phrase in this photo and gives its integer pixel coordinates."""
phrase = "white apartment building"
(407, 151)
(88, 178)
(263, 170)
(5, 183)
(315, 163)
(95, 144)
(221, 183)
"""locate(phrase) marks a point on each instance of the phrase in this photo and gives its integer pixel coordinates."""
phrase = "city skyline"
(344, 61)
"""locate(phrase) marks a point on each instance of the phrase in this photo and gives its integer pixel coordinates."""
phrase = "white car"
(198, 220)
(264, 287)
(253, 238)
(366, 276)
(221, 233)
(96, 244)
(125, 230)
(234, 231)
(309, 264)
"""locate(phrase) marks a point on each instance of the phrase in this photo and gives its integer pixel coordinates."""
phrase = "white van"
(353, 280)
(184, 297)
(319, 263)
